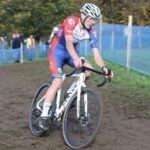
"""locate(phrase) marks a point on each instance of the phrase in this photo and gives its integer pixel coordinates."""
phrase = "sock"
(46, 107)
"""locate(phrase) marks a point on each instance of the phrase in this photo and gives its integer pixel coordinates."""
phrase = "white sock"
(46, 107)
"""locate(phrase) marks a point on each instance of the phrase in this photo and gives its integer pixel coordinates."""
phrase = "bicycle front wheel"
(36, 110)
(80, 132)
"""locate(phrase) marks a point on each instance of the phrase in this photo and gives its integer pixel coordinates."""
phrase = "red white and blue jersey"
(59, 54)
(70, 26)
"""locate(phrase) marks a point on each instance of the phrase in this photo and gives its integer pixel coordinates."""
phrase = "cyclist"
(53, 34)
(64, 51)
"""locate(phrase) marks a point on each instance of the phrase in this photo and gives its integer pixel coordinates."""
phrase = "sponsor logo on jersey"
(71, 22)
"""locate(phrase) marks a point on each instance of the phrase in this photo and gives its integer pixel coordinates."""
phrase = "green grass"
(129, 91)
(127, 79)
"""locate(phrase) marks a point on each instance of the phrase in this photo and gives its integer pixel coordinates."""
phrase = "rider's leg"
(56, 56)
(56, 63)
(44, 121)
(50, 95)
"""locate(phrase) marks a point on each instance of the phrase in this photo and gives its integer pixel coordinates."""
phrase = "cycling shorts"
(59, 56)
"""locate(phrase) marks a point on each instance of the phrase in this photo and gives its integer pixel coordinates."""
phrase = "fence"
(112, 44)
(17, 55)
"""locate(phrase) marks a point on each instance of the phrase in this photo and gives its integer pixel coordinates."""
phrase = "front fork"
(82, 84)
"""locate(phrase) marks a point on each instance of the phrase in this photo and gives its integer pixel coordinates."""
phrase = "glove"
(107, 71)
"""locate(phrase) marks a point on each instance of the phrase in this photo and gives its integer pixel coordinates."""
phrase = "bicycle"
(81, 111)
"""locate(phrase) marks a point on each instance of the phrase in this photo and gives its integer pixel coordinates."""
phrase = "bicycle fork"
(82, 84)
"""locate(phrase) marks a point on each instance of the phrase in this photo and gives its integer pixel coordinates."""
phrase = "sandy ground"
(18, 82)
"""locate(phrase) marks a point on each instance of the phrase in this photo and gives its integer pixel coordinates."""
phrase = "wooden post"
(21, 53)
(100, 34)
(129, 42)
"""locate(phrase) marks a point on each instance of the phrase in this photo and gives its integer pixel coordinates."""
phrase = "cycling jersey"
(59, 53)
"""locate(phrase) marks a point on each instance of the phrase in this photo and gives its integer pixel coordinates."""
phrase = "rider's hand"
(107, 72)
(78, 63)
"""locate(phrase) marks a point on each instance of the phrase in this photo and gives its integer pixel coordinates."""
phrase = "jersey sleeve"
(93, 39)
(68, 25)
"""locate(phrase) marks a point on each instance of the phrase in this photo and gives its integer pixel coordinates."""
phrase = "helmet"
(55, 29)
(91, 10)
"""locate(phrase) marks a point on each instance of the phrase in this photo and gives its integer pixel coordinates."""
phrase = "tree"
(40, 16)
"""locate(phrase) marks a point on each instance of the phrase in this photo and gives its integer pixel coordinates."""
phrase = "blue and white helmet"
(91, 10)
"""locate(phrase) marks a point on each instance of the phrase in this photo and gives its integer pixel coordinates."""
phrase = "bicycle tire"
(72, 128)
(35, 113)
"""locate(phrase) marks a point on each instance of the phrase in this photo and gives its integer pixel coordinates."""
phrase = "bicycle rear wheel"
(80, 132)
(36, 109)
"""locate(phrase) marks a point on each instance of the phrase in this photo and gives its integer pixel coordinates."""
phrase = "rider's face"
(88, 21)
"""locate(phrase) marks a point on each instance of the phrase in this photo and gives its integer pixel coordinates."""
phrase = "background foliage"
(39, 16)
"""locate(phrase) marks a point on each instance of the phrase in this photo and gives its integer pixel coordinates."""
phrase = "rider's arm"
(94, 45)
(98, 58)
(100, 62)
(51, 37)
(72, 51)
(70, 47)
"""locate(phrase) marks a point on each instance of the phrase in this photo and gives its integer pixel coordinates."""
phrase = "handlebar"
(83, 69)
(71, 73)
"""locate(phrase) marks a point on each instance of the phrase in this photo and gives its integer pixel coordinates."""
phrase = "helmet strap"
(83, 22)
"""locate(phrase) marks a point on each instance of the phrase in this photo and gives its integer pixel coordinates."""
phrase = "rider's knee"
(57, 83)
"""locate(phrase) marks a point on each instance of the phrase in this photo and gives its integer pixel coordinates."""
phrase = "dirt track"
(17, 85)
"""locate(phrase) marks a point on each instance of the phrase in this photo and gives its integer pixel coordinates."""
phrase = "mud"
(18, 83)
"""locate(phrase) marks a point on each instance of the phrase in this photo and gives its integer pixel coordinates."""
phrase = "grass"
(129, 90)
(127, 79)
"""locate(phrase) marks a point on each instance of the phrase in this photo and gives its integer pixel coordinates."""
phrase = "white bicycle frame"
(74, 88)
